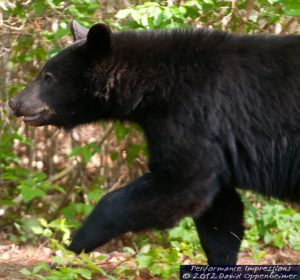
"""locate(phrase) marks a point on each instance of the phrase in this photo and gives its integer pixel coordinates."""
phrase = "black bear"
(219, 111)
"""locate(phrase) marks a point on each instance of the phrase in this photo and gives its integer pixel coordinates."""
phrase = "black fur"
(219, 111)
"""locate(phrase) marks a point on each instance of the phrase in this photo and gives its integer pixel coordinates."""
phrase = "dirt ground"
(13, 258)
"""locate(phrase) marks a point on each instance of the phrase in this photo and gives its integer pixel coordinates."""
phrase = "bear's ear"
(78, 32)
(99, 40)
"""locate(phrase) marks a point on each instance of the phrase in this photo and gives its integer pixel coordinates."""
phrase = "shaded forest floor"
(13, 258)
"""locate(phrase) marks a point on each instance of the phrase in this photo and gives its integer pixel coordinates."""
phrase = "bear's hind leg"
(220, 228)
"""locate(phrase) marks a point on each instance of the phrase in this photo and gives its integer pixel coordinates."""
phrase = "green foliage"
(51, 229)
(44, 31)
(75, 210)
(159, 260)
(242, 16)
(162, 260)
(273, 224)
(8, 159)
(133, 150)
(152, 15)
(85, 152)
(290, 7)
(67, 266)
(36, 186)
(161, 252)
(28, 48)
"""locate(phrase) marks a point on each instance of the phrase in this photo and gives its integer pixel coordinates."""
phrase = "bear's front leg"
(148, 202)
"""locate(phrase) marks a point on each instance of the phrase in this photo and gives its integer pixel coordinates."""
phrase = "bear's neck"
(146, 71)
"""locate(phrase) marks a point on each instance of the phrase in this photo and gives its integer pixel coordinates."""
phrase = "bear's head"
(67, 92)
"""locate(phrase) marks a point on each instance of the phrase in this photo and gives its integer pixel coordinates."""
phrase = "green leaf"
(25, 271)
(156, 269)
(40, 176)
(144, 20)
(144, 261)
(136, 15)
(55, 50)
(292, 12)
(145, 249)
(29, 193)
(75, 151)
(133, 152)
(121, 131)
(43, 222)
(47, 232)
(95, 194)
(129, 250)
(85, 273)
(87, 155)
(123, 13)
(172, 256)
(114, 155)
(268, 237)
(279, 241)
(58, 260)
(39, 7)
(51, 4)
(37, 229)
(39, 267)
(211, 2)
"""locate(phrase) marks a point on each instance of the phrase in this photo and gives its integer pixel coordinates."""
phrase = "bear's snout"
(12, 104)
(15, 106)
(34, 111)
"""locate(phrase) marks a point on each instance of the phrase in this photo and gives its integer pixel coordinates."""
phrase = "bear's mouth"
(37, 119)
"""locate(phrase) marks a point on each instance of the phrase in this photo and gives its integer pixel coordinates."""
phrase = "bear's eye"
(48, 77)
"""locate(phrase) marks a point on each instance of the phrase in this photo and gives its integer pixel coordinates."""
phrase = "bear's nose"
(12, 104)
